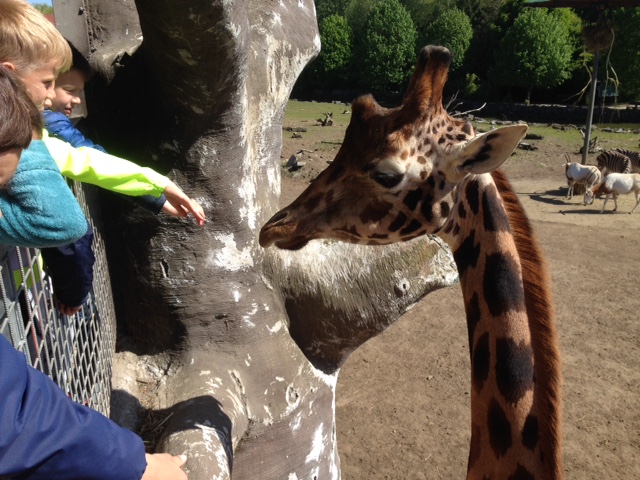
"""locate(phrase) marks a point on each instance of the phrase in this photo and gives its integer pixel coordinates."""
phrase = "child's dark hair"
(16, 112)
(80, 63)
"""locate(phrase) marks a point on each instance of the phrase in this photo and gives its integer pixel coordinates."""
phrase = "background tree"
(44, 8)
(534, 53)
(337, 50)
(388, 47)
(452, 29)
(624, 52)
(326, 8)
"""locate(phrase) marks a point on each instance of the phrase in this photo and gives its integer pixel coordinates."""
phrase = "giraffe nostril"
(281, 215)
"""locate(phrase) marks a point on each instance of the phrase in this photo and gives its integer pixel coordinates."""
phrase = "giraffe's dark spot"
(445, 208)
(475, 446)
(462, 213)
(380, 236)
(449, 137)
(427, 208)
(472, 309)
(413, 151)
(494, 216)
(482, 156)
(397, 224)
(434, 130)
(440, 173)
(461, 137)
(480, 359)
(336, 173)
(412, 198)
(473, 196)
(499, 429)
(422, 160)
(521, 473)
(315, 200)
(449, 128)
(412, 227)
(375, 212)
(514, 369)
(531, 432)
(423, 174)
(404, 155)
(466, 255)
(441, 140)
(502, 284)
(456, 230)
(448, 226)
(431, 182)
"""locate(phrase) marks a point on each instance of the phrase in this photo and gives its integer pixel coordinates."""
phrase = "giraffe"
(414, 170)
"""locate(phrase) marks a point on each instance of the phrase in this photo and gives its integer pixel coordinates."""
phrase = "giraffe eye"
(387, 179)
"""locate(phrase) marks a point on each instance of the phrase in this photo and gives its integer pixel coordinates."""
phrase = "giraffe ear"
(486, 152)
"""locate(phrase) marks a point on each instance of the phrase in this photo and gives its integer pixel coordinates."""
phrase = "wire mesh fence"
(75, 351)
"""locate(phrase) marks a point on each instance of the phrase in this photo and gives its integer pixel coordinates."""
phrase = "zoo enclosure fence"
(75, 351)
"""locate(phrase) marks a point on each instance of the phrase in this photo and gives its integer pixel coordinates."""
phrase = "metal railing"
(75, 351)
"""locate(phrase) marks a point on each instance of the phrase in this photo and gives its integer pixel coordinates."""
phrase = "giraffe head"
(395, 176)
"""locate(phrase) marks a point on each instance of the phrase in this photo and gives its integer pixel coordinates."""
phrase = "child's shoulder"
(52, 118)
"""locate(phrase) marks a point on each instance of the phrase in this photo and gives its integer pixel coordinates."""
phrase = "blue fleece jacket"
(44, 435)
(38, 208)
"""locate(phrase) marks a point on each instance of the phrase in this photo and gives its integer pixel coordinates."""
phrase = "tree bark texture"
(254, 339)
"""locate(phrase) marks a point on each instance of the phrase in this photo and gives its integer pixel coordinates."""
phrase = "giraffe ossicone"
(414, 170)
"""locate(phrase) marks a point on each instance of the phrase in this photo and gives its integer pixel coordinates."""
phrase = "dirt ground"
(403, 398)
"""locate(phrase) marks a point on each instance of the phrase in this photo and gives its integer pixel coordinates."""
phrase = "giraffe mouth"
(293, 243)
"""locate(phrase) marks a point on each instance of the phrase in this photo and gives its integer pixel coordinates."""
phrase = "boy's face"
(8, 164)
(68, 90)
(40, 83)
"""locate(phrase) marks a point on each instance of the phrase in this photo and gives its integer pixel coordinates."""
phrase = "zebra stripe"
(633, 156)
(613, 162)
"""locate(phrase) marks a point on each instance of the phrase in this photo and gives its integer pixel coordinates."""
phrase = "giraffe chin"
(293, 243)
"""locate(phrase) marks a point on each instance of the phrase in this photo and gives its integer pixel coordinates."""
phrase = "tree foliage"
(388, 48)
(534, 53)
(333, 64)
(511, 45)
(44, 8)
(452, 29)
(625, 56)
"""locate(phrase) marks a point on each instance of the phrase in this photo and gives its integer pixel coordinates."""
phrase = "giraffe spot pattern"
(412, 198)
(467, 253)
(499, 429)
(399, 221)
(481, 358)
(502, 286)
(472, 192)
(514, 369)
(494, 216)
(375, 212)
(475, 446)
(472, 309)
(444, 209)
(462, 213)
(412, 227)
(531, 432)
(521, 473)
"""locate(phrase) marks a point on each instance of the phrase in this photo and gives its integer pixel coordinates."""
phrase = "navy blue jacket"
(45, 435)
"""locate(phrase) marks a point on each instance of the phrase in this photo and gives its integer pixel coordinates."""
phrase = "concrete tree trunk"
(245, 344)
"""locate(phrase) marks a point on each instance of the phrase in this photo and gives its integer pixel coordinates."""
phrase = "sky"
(46, 2)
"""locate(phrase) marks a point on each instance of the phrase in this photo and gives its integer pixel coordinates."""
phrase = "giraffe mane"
(541, 314)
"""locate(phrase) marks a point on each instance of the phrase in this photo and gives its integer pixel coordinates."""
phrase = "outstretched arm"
(182, 204)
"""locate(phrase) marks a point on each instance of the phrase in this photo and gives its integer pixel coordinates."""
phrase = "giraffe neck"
(515, 404)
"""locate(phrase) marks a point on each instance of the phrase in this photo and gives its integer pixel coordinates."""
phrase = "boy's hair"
(80, 63)
(28, 40)
(16, 112)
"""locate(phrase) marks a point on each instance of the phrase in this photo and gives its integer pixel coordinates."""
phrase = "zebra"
(611, 161)
(634, 157)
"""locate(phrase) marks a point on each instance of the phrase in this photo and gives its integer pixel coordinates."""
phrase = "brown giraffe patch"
(502, 285)
(514, 369)
(499, 429)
